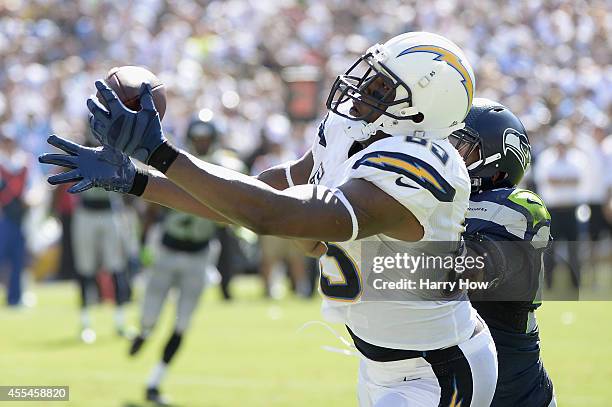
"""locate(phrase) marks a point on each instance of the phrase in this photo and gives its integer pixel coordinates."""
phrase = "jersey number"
(349, 288)
(436, 149)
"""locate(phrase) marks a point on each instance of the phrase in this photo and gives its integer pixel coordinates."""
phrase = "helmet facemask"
(466, 142)
(354, 86)
(470, 149)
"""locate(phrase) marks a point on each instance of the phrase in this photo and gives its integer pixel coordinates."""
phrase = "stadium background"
(261, 70)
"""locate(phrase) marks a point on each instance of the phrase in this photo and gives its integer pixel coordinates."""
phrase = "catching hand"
(138, 134)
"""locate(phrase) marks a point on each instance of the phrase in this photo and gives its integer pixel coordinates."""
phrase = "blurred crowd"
(260, 71)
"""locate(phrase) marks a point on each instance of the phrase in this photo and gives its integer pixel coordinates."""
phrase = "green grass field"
(252, 353)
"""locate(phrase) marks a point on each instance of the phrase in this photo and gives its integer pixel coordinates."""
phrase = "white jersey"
(428, 178)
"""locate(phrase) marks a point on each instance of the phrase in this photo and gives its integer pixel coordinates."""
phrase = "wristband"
(163, 157)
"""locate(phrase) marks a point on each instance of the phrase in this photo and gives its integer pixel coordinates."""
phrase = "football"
(126, 81)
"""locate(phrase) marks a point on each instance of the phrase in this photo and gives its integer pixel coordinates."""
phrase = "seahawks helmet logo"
(517, 144)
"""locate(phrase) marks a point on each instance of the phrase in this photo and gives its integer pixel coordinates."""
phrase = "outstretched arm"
(356, 209)
(109, 169)
(163, 191)
(305, 211)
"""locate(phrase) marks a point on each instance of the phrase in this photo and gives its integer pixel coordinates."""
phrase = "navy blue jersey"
(519, 219)
(510, 214)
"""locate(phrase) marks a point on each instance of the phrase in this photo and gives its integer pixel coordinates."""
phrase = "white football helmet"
(430, 82)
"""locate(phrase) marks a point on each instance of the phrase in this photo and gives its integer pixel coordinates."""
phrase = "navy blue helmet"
(494, 144)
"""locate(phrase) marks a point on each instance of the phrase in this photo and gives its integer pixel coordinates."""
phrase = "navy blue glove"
(102, 167)
(138, 134)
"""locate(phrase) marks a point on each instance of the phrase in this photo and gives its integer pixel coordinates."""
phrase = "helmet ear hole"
(418, 118)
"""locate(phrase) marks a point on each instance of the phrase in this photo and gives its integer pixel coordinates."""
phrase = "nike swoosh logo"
(399, 181)
(531, 201)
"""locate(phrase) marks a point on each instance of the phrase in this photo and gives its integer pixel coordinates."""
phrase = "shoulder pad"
(408, 167)
(520, 212)
(413, 162)
(534, 207)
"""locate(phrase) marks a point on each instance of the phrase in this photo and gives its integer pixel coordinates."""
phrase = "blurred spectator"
(15, 171)
(560, 175)
(606, 147)
(546, 59)
(597, 181)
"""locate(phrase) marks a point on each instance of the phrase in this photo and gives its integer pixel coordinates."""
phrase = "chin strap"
(358, 130)
(480, 184)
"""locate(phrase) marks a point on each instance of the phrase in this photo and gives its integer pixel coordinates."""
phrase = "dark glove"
(101, 167)
(138, 134)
